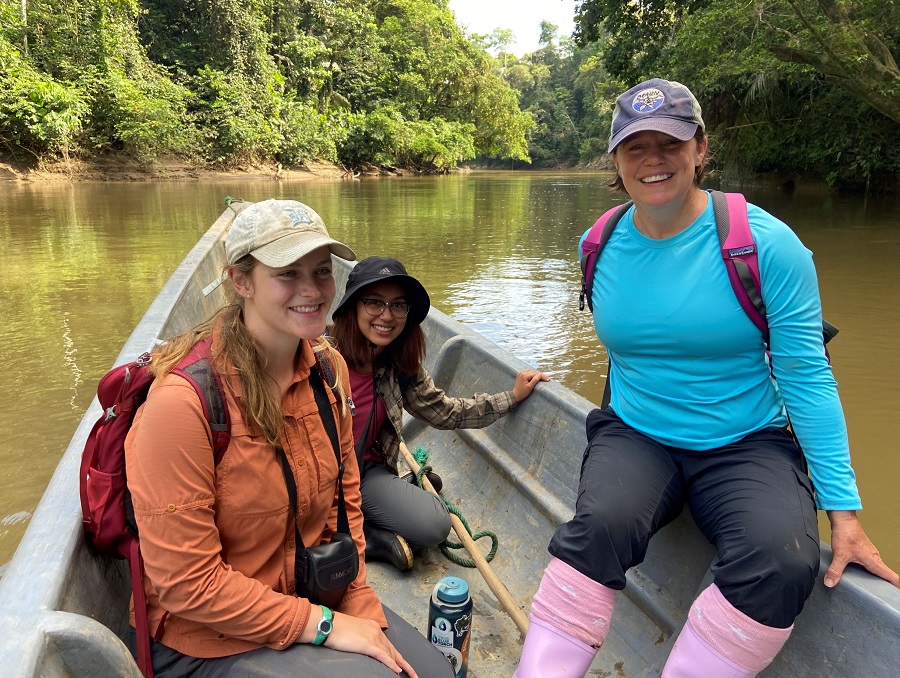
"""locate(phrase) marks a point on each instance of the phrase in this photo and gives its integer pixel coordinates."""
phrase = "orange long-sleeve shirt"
(218, 541)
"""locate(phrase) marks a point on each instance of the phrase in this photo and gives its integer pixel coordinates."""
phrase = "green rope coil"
(421, 456)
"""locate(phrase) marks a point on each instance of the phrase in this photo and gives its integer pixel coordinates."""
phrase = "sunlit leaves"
(363, 81)
(37, 112)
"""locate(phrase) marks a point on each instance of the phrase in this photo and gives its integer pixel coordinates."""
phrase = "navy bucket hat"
(656, 105)
(372, 270)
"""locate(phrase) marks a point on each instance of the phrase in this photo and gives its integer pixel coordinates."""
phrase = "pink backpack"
(738, 252)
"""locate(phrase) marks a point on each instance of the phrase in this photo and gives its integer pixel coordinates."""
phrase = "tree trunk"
(24, 4)
(852, 58)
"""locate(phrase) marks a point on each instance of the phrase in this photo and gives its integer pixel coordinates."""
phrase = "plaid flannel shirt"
(424, 400)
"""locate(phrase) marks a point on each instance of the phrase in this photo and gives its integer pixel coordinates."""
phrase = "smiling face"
(381, 329)
(657, 168)
(282, 305)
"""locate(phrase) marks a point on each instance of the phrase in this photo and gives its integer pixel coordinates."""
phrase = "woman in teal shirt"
(698, 416)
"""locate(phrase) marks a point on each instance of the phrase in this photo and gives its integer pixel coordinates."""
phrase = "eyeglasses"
(399, 309)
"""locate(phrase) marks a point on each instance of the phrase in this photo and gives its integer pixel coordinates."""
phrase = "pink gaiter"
(574, 603)
(734, 635)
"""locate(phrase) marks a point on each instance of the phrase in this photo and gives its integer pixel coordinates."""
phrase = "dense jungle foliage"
(796, 87)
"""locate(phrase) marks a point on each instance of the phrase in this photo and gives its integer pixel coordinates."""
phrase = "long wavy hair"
(405, 353)
(237, 347)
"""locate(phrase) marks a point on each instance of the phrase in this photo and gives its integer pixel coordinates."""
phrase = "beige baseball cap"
(278, 232)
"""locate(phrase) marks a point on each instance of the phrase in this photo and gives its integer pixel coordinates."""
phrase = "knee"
(605, 525)
(441, 526)
(432, 529)
(602, 534)
(792, 574)
(773, 586)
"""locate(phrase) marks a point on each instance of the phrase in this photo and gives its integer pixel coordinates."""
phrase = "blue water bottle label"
(443, 637)
(450, 622)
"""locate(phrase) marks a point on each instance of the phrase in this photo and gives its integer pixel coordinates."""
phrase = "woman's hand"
(364, 636)
(850, 544)
(526, 380)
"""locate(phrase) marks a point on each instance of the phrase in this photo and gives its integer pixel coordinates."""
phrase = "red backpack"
(107, 512)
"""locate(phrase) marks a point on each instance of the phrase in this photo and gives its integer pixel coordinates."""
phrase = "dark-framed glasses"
(399, 309)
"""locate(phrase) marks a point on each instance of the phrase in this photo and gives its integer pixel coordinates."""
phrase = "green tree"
(435, 72)
(361, 81)
(37, 114)
(853, 43)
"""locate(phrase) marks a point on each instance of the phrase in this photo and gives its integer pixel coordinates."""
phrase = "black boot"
(387, 547)
(436, 482)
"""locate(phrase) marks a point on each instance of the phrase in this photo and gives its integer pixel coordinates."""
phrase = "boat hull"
(63, 610)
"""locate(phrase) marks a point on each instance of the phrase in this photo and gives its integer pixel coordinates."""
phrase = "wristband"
(323, 628)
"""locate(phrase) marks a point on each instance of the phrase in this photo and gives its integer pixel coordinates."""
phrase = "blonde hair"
(237, 347)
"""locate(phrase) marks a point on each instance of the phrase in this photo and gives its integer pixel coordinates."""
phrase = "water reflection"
(495, 250)
(526, 314)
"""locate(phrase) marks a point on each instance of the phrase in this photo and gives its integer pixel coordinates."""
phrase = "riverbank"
(112, 168)
(119, 168)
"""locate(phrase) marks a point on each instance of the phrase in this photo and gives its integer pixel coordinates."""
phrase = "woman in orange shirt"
(218, 540)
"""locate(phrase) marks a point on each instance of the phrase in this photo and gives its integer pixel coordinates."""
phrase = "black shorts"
(751, 499)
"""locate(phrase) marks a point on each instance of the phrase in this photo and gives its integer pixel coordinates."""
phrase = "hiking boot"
(436, 482)
(387, 547)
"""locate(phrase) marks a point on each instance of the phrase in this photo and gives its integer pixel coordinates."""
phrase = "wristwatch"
(323, 628)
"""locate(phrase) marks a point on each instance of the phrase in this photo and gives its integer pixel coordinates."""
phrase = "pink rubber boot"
(550, 653)
(570, 617)
(720, 641)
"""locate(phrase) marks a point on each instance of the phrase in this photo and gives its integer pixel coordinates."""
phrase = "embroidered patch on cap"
(386, 271)
(648, 100)
(298, 217)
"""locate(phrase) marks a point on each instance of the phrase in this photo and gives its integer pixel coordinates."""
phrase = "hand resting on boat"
(850, 544)
(526, 380)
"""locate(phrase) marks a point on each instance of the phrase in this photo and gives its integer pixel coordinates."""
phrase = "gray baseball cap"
(278, 232)
(656, 105)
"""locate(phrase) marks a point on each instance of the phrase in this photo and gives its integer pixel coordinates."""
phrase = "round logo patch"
(648, 100)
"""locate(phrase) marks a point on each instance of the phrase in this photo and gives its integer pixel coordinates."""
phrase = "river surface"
(496, 250)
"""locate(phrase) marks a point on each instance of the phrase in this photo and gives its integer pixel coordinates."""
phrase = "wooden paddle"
(490, 577)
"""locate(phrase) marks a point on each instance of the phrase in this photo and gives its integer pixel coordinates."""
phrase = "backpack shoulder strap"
(197, 369)
(592, 246)
(739, 253)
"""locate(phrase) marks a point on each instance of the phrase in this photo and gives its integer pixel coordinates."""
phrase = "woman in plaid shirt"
(377, 328)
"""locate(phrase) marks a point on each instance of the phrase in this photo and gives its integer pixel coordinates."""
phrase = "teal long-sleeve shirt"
(687, 366)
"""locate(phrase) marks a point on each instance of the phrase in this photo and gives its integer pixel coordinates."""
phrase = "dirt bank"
(115, 168)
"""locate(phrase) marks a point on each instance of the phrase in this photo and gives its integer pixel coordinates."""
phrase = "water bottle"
(450, 622)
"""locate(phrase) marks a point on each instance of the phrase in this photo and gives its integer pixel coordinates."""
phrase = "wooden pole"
(490, 577)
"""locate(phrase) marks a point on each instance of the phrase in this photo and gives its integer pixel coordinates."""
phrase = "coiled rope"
(447, 546)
